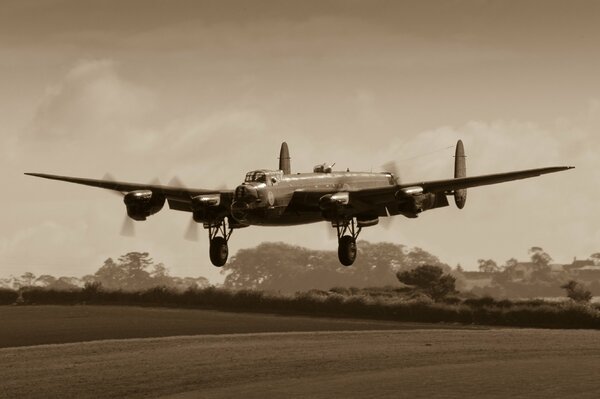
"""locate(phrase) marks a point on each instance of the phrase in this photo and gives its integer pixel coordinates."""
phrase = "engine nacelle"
(333, 205)
(207, 208)
(427, 201)
(330, 201)
(416, 204)
(206, 200)
(143, 203)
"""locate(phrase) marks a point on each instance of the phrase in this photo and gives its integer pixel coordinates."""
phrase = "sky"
(207, 90)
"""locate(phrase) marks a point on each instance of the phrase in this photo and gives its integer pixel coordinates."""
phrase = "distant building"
(584, 270)
(579, 264)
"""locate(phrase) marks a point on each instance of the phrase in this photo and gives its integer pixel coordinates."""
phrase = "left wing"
(179, 198)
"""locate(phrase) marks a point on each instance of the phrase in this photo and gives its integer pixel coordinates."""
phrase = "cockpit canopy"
(269, 177)
(256, 176)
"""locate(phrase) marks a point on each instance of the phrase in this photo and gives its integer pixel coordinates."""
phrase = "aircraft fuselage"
(267, 200)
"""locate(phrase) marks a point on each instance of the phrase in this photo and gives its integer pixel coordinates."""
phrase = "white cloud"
(91, 100)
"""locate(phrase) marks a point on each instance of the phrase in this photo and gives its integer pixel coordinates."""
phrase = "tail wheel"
(219, 251)
(347, 250)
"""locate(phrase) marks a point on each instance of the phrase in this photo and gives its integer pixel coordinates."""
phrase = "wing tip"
(561, 168)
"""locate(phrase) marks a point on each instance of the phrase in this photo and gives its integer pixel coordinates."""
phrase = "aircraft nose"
(244, 196)
(245, 193)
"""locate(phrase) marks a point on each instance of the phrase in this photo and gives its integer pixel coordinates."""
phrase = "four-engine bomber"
(348, 200)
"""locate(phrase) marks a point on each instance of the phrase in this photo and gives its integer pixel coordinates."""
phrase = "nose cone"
(245, 196)
(246, 193)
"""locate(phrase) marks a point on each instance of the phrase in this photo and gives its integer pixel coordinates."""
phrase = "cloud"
(491, 147)
(559, 212)
(45, 246)
(90, 100)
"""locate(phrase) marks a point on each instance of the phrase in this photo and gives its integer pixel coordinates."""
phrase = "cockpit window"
(259, 177)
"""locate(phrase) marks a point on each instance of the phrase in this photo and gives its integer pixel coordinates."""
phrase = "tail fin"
(460, 170)
(284, 159)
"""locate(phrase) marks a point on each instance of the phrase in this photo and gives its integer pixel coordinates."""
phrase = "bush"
(431, 280)
(577, 292)
(8, 296)
(486, 310)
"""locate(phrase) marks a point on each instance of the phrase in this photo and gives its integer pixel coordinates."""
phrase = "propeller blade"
(331, 232)
(176, 182)
(191, 234)
(155, 181)
(386, 221)
(108, 177)
(128, 227)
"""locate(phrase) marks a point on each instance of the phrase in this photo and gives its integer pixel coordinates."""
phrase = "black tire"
(347, 250)
(219, 251)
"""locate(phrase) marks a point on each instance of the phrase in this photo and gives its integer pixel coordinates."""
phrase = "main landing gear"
(218, 235)
(347, 233)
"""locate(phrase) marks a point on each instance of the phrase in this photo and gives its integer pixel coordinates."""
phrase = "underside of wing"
(372, 202)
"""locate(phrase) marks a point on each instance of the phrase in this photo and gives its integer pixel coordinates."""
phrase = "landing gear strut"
(347, 233)
(218, 235)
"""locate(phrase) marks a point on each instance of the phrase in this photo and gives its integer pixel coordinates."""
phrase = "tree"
(540, 258)
(595, 257)
(45, 280)
(430, 280)
(541, 261)
(577, 292)
(128, 273)
(160, 275)
(488, 266)
(27, 278)
(418, 257)
(286, 268)
(110, 275)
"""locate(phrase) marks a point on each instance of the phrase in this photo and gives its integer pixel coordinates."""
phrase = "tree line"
(134, 271)
(284, 268)
(535, 278)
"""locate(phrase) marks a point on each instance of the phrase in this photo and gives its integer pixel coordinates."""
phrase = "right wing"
(449, 185)
(388, 200)
(179, 198)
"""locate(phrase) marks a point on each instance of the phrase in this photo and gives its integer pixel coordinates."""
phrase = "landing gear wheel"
(219, 251)
(347, 250)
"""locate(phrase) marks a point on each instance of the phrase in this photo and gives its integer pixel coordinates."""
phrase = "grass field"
(50, 324)
(260, 360)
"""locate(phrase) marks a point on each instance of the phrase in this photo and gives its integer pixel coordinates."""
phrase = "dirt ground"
(422, 363)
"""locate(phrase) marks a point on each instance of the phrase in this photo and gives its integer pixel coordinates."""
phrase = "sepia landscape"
(289, 180)
(396, 315)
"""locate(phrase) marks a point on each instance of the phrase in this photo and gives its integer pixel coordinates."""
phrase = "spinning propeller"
(128, 225)
(391, 167)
